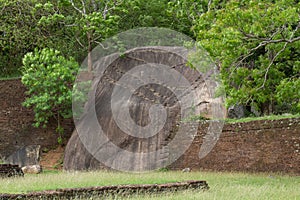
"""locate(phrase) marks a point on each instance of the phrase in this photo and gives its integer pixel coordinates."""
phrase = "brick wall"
(256, 146)
(253, 146)
(16, 121)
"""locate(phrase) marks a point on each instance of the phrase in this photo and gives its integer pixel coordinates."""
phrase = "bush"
(49, 78)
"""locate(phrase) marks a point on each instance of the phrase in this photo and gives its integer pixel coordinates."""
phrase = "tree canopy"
(255, 44)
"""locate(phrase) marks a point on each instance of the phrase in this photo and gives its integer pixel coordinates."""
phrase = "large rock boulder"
(236, 111)
(77, 157)
(25, 156)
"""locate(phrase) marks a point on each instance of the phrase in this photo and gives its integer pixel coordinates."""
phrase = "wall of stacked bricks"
(8, 170)
(16, 121)
(257, 146)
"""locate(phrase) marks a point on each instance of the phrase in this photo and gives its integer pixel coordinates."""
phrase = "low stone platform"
(8, 170)
(109, 191)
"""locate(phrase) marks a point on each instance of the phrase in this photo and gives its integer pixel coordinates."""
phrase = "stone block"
(25, 156)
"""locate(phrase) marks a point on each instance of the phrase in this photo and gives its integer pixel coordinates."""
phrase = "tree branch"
(101, 45)
(105, 10)
(79, 42)
(264, 42)
(80, 11)
(279, 52)
(270, 40)
(270, 64)
(208, 5)
(94, 5)
(83, 7)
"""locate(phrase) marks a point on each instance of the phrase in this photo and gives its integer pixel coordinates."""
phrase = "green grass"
(269, 117)
(222, 185)
(247, 119)
(3, 78)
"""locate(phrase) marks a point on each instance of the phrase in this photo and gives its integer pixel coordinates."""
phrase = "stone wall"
(253, 146)
(7, 170)
(16, 121)
(257, 146)
(113, 192)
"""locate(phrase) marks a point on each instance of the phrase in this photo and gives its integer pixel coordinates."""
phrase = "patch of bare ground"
(52, 159)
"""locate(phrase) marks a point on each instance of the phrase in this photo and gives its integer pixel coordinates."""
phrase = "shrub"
(49, 78)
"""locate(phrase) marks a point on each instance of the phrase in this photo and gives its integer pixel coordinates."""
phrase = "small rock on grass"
(32, 169)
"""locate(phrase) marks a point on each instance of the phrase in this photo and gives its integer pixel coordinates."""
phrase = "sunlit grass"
(222, 185)
(269, 117)
(4, 78)
(245, 119)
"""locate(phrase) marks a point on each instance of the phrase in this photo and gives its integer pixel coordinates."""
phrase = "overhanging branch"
(264, 41)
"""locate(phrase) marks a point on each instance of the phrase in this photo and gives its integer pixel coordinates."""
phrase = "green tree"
(185, 13)
(17, 36)
(91, 22)
(256, 45)
(74, 27)
(49, 78)
(29, 24)
(153, 13)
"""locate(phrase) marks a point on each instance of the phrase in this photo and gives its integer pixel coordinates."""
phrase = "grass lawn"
(269, 117)
(3, 78)
(222, 185)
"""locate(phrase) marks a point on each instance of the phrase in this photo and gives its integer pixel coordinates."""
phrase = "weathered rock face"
(28, 155)
(236, 111)
(77, 157)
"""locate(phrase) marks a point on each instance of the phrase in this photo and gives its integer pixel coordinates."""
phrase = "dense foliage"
(49, 78)
(255, 44)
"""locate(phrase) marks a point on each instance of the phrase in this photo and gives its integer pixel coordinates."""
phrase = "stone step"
(8, 170)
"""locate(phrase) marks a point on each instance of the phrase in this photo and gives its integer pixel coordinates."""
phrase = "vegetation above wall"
(255, 44)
